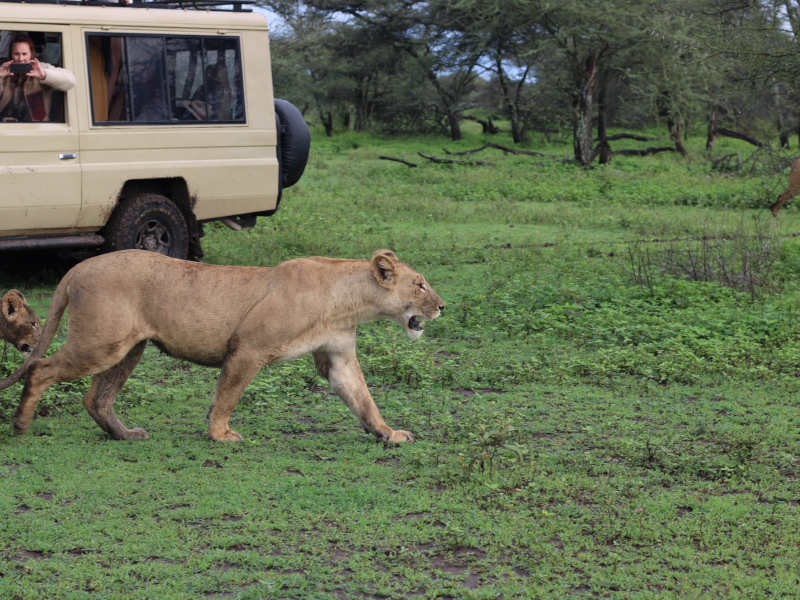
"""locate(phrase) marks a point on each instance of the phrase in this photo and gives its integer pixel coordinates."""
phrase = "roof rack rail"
(222, 5)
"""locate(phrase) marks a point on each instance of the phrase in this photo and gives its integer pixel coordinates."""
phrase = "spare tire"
(294, 141)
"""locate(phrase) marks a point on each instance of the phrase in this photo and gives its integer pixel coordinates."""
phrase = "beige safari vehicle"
(171, 123)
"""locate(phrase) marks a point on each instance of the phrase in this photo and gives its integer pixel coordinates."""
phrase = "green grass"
(579, 434)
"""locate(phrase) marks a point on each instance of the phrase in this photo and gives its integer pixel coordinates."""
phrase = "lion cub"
(18, 323)
(237, 318)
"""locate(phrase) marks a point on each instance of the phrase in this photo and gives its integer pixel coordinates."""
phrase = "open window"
(153, 79)
(21, 100)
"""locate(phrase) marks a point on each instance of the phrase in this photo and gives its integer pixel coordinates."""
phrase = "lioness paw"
(228, 436)
(137, 433)
(398, 436)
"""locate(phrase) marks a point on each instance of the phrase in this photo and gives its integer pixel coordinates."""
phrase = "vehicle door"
(40, 171)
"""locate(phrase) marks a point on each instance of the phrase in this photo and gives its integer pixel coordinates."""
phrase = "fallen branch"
(473, 151)
(739, 136)
(630, 136)
(496, 147)
(400, 160)
(646, 151)
(449, 161)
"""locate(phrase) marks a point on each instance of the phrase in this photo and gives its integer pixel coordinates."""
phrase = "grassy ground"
(590, 421)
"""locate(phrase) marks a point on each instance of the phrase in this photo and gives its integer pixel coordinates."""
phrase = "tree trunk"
(454, 123)
(675, 134)
(327, 122)
(604, 149)
(711, 131)
(582, 111)
(511, 101)
(798, 130)
(665, 111)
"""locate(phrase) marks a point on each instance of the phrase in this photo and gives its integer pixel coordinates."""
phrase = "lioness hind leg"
(70, 362)
(42, 374)
(99, 400)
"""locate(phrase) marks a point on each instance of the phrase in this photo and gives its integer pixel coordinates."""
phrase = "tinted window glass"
(165, 79)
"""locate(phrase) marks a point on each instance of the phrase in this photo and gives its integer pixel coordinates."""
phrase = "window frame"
(68, 114)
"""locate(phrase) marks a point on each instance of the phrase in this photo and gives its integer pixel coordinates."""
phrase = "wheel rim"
(154, 236)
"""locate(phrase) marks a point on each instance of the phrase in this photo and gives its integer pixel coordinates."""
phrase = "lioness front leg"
(237, 372)
(346, 379)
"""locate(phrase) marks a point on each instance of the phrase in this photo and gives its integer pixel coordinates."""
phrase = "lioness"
(237, 318)
(18, 323)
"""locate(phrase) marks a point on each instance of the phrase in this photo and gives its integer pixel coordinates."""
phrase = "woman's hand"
(36, 70)
(4, 68)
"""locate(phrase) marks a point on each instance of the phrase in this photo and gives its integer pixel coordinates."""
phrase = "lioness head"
(18, 323)
(412, 300)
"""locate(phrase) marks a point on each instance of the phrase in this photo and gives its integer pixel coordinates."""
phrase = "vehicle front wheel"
(148, 222)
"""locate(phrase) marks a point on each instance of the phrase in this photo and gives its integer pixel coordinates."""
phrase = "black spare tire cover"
(294, 141)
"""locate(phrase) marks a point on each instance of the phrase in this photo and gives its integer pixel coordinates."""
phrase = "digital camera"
(19, 68)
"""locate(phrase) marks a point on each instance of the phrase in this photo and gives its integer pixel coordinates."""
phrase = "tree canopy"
(403, 65)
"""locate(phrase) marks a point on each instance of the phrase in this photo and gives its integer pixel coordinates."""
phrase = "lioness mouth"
(415, 324)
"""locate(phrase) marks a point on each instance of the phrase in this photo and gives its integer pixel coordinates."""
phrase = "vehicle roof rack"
(222, 5)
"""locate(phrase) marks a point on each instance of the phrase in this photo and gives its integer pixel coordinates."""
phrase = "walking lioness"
(237, 318)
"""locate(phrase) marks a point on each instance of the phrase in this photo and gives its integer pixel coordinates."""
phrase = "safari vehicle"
(171, 123)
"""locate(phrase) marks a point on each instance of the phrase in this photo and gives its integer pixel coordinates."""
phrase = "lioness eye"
(422, 287)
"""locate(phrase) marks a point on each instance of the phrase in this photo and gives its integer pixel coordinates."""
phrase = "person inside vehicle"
(26, 84)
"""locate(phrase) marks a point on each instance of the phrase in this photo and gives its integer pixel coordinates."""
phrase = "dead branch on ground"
(739, 136)
(630, 136)
(645, 151)
(400, 160)
(449, 161)
(496, 147)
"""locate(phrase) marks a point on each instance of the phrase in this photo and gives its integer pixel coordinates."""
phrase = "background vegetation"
(608, 406)
(728, 67)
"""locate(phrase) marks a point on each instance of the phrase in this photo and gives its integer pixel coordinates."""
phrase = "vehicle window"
(165, 79)
(28, 98)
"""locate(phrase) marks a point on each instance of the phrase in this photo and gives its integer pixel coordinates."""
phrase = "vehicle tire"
(148, 222)
(294, 141)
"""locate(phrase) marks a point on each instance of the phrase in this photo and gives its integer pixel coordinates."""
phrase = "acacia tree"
(507, 30)
(302, 60)
(762, 66)
(432, 33)
(588, 37)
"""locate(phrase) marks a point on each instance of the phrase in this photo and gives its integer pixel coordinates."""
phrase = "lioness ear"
(384, 267)
(11, 303)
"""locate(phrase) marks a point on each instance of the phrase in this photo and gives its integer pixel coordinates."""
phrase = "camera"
(19, 68)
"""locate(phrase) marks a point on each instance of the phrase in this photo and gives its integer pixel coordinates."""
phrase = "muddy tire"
(148, 222)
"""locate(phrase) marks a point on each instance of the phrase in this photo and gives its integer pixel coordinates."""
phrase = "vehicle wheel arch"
(175, 189)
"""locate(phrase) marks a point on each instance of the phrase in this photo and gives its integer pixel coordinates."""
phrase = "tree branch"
(400, 160)
(739, 136)
(496, 147)
(449, 161)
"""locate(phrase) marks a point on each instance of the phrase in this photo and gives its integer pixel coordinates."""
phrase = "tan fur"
(791, 190)
(237, 318)
(18, 323)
